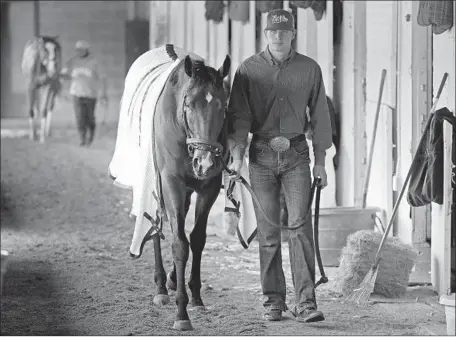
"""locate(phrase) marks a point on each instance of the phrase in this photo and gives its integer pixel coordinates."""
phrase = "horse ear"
(188, 66)
(225, 68)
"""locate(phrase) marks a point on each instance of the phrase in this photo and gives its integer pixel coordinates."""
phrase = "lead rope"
(315, 186)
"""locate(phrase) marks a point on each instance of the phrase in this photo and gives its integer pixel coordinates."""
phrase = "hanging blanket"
(239, 10)
(438, 13)
(214, 10)
(132, 165)
(318, 6)
(267, 6)
(426, 179)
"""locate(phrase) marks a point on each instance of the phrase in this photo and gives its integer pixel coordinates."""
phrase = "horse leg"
(50, 109)
(44, 109)
(48, 123)
(204, 203)
(162, 297)
(171, 278)
(175, 207)
(31, 102)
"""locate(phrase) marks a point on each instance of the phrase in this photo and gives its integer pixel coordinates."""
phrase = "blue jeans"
(269, 172)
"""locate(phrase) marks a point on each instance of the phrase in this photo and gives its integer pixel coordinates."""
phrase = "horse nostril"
(195, 162)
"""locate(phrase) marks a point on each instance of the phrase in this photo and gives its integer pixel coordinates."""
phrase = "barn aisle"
(68, 232)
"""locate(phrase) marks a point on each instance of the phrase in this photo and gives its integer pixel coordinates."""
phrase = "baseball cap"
(81, 44)
(280, 19)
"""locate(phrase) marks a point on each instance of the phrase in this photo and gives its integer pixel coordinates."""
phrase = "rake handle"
(409, 173)
(374, 133)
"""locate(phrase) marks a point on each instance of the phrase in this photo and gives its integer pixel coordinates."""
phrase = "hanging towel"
(267, 6)
(214, 10)
(240, 11)
(438, 13)
(426, 179)
(318, 7)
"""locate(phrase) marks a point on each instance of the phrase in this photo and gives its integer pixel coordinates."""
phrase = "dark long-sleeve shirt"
(270, 99)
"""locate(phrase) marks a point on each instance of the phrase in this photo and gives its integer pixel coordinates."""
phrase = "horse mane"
(31, 54)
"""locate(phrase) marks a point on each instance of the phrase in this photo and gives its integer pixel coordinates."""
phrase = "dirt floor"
(68, 232)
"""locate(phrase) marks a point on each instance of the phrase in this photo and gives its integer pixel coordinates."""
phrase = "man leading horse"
(269, 96)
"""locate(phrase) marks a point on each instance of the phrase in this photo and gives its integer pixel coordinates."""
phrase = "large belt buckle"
(279, 143)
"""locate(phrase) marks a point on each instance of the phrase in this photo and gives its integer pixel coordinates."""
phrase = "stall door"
(136, 40)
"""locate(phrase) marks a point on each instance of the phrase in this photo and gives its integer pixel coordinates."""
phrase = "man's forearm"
(320, 156)
(237, 148)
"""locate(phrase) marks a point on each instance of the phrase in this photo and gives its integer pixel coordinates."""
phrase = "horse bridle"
(198, 143)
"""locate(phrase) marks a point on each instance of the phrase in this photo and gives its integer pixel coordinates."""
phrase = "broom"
(361, 295)
(372, 144)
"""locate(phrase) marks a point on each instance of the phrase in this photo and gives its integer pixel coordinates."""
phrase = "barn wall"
(102, 24)
(444, 51)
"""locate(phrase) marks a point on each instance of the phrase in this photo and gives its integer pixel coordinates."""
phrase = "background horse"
(41, 65)
(190, 142)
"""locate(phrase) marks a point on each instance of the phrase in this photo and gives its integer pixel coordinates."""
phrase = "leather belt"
(280, 143)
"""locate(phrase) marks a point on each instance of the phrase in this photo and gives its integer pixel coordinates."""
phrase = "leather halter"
(193, 142)
(198, 143)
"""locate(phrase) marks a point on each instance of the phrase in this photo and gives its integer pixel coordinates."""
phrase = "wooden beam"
(36, 17)
(360, 146)
(421, 73)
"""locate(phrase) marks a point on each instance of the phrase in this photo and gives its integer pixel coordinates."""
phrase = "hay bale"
(396, 263)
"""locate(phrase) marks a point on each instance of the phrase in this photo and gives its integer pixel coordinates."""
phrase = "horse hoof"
(161, 300)
(182, 325)
(169, 283)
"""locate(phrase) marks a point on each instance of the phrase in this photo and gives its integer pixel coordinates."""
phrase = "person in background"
(269, 96)
(87, 84)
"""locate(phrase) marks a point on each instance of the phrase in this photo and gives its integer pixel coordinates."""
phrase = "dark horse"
(41, 64)
(190, 143)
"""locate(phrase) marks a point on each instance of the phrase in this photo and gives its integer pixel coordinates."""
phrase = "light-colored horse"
(41, 65)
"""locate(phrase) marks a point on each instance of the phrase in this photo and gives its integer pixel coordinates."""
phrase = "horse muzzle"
(204, 155)
(203, 162)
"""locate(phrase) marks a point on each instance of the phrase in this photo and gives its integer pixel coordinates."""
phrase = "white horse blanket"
(132, 166)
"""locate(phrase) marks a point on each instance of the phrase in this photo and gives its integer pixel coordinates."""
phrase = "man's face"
(279, 40)
(81, 52)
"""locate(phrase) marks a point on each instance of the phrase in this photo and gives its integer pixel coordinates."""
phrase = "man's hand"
(319, 171)
(235, 166)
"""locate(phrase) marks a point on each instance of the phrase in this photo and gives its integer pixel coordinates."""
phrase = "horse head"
(50, 54)
(204, 105)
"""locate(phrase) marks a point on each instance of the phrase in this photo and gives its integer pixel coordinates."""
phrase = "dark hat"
(280, 19)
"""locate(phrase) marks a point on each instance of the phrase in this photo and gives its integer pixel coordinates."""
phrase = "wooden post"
(360, 144)
(36, 17)
(443, 61)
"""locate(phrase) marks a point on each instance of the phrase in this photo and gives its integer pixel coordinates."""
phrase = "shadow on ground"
(7, 208)
(30, 293)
